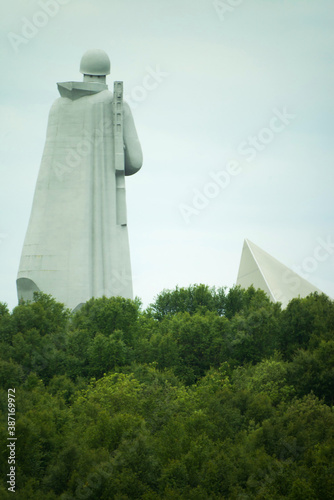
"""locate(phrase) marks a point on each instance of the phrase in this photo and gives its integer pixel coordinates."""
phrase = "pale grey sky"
(248, 82)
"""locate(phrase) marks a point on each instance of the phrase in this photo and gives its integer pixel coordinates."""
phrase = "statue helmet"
(95, 62)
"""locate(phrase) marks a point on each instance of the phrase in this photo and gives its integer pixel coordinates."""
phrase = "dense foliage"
(206, 394)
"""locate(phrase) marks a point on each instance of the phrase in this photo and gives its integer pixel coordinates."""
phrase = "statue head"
(95, 63)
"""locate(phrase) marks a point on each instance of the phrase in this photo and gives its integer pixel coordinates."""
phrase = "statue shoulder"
(126, 109)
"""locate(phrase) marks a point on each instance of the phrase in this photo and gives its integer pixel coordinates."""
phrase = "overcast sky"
(233, 104)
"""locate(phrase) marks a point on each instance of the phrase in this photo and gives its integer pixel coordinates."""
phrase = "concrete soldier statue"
(76, 246)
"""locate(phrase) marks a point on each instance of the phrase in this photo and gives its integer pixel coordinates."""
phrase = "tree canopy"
(205, 394)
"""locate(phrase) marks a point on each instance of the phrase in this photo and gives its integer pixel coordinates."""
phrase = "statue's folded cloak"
(75, 247)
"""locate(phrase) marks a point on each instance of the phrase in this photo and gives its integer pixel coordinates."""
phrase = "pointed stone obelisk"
(263, 271)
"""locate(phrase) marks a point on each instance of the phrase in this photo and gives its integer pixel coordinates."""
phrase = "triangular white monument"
(261, 270)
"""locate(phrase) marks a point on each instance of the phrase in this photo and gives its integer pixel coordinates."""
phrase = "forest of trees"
(206, 394)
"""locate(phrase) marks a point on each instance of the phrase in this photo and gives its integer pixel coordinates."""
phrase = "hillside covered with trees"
(205, 395)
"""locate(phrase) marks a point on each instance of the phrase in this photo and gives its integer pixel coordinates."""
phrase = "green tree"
(107, 352)
(11, 374)
(313, 371)
(239, 300)
(197, 336)
(193, 299)
(105, 315)
(305, 320)
(44, 314)
(6, 327)
(254, 332)
(269, 377)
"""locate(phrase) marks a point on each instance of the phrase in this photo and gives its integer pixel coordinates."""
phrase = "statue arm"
(133, 156)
